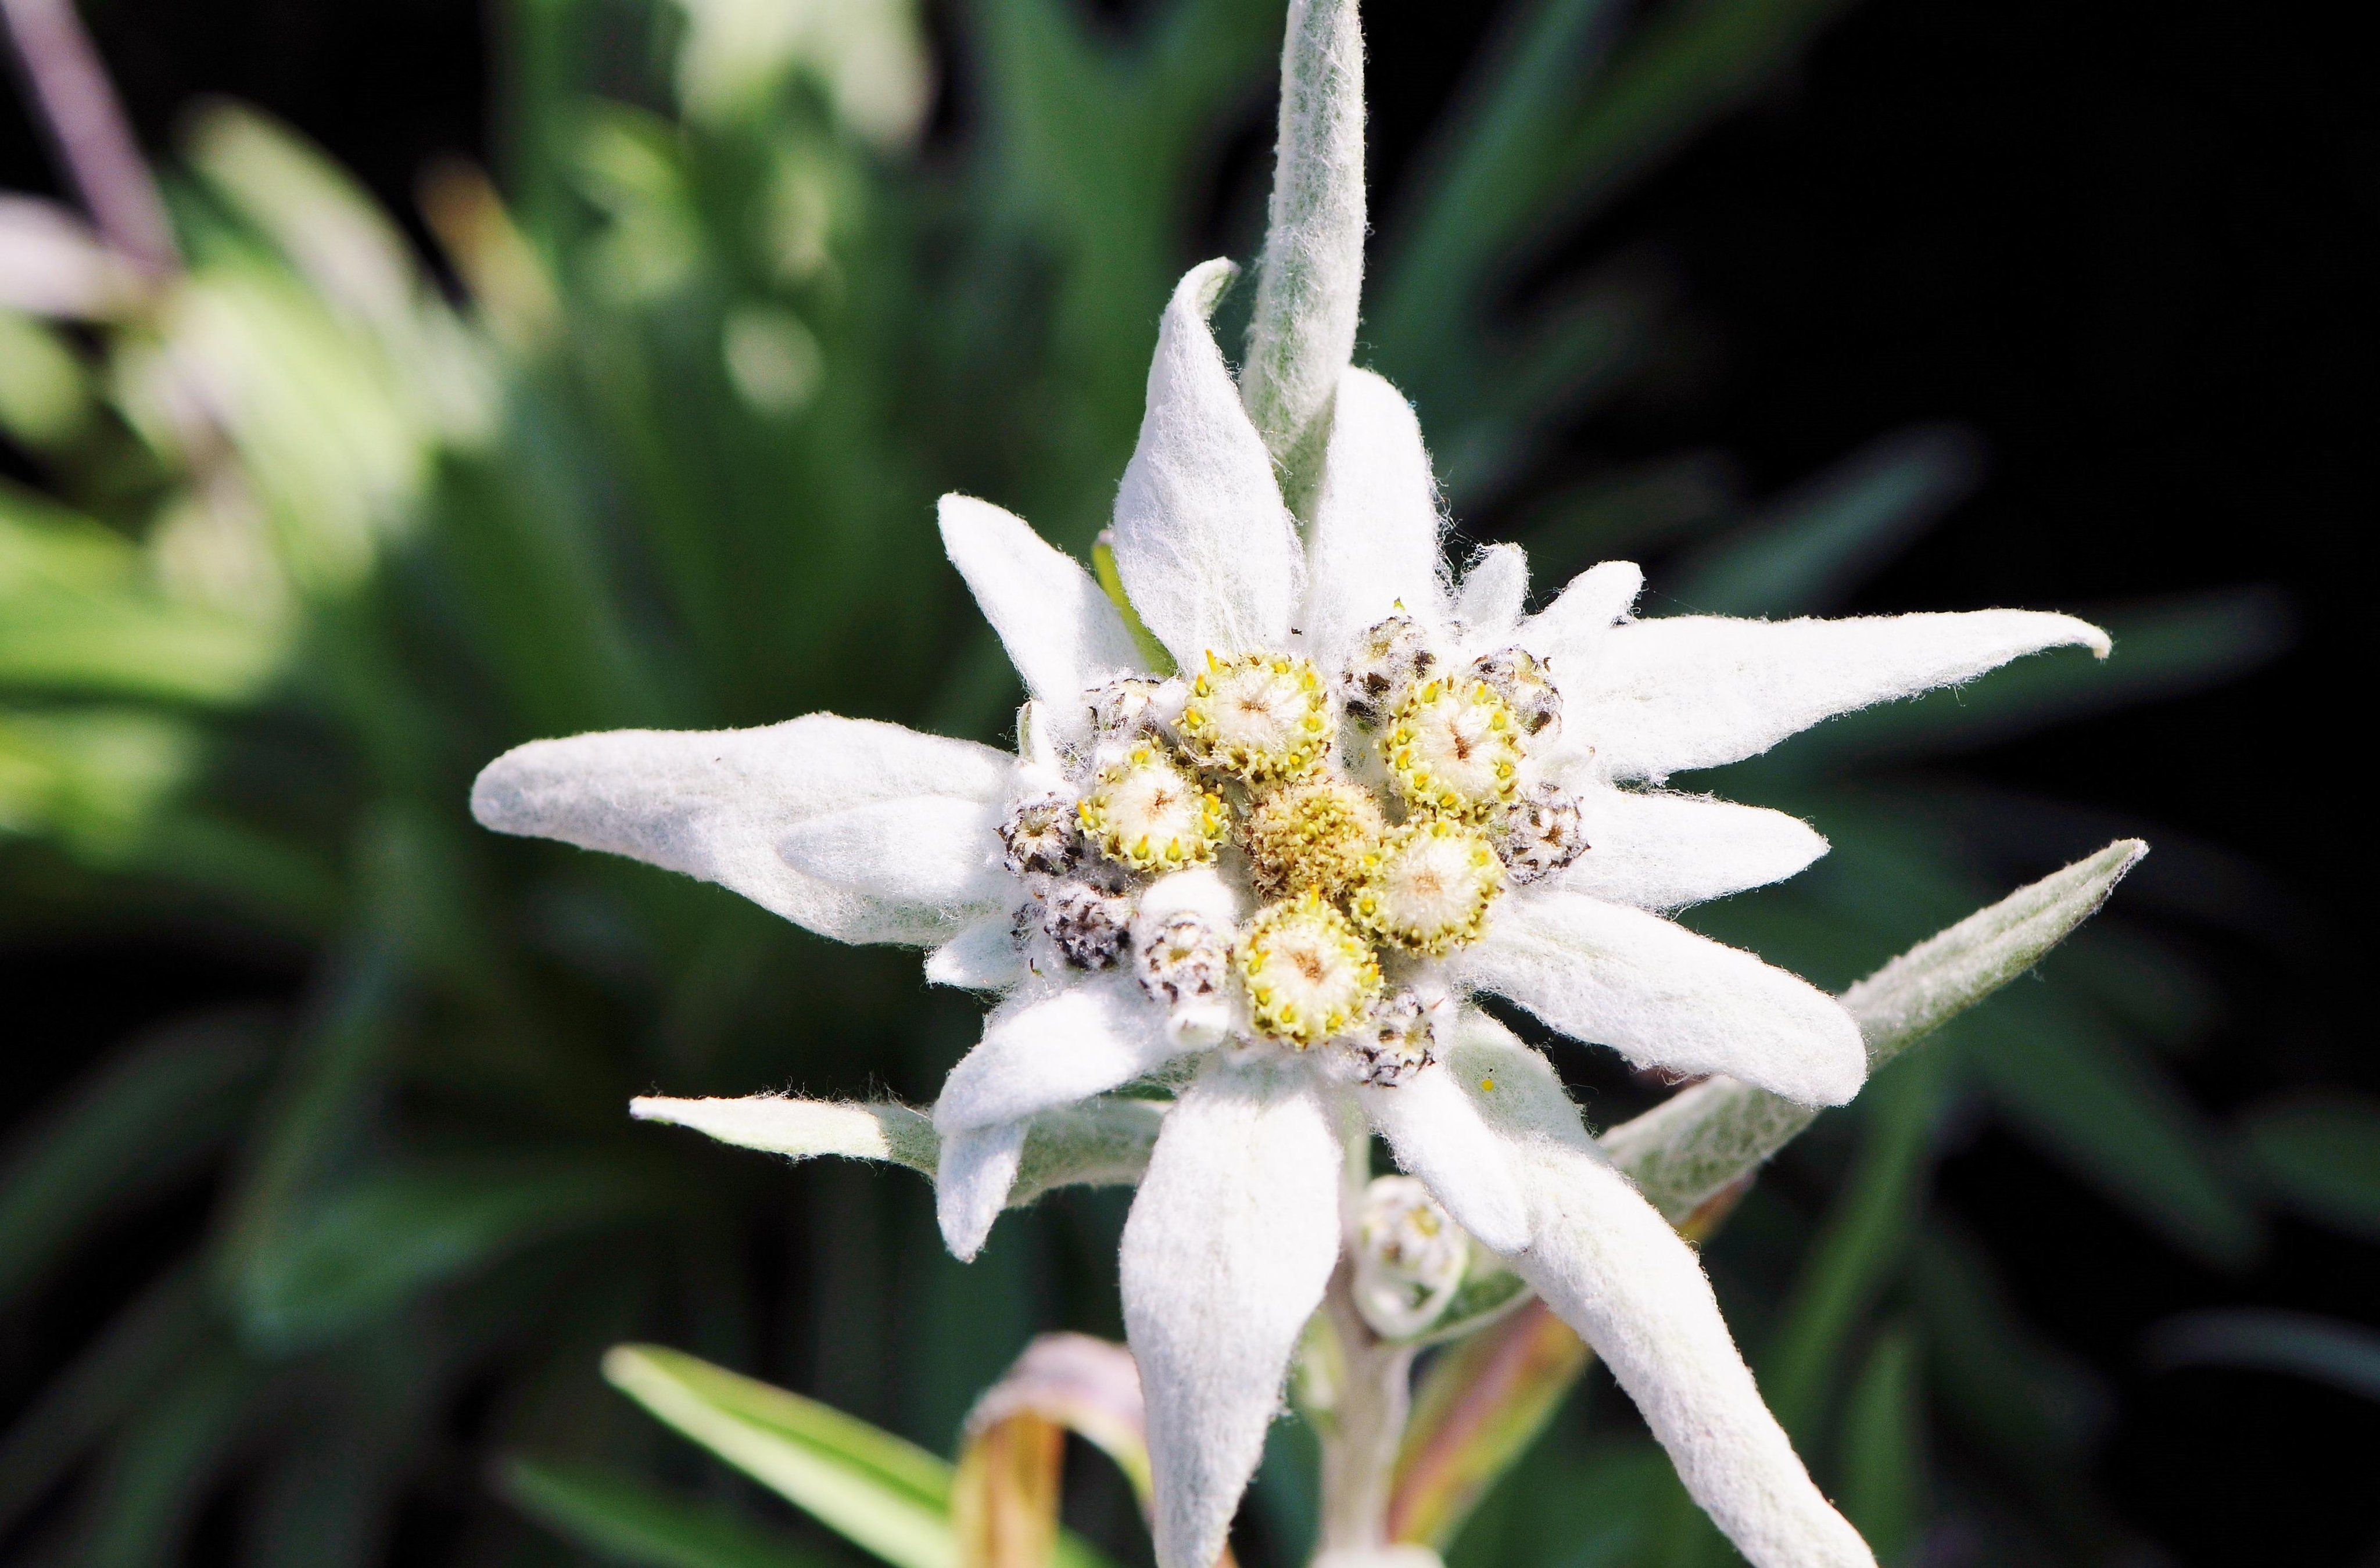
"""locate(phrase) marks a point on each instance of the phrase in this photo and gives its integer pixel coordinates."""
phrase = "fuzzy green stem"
(1310, 277)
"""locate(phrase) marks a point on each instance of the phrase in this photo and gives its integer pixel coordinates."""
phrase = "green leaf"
(45, 396)
(149, 1491)
(2027, 1406)
(2344, 1355)
(1103, 562)
(887, 1496)
(107, 1382)
(356, 1254)
(142, 1123)
(621, 1519)
(1808, 551)
(2321, 1155)
(95, 779)
(2109, 1118)
(1858, 1248)
(1693, 1144)
(1480, 182)
(1884, 1447)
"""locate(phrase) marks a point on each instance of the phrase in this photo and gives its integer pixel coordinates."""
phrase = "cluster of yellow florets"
(1309, 975)
(1454, 748)
(1345, 887)
(1318, 833)
(1257, 717)
(1146, 813)
(1429, 888)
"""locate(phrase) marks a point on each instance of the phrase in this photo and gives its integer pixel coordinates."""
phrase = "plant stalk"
(1367, 1428)
(94, 140)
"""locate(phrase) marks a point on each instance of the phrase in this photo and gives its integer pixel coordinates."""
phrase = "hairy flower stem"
(1367, 1427)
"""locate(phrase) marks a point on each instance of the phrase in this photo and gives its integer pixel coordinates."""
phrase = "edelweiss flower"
(1275, 871)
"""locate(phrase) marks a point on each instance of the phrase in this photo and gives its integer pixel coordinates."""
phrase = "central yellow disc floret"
(1428, 889)
(1258, 716)
(1309, 975)
(1148, 814)
(1316, 834)
(1454, 747)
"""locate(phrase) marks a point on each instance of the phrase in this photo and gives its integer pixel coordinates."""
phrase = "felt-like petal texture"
(1437, 1135)
(1231, 1240)
(1494, 589)
(716, 805)
(983, 956)
(1061, 630)
(1374, 542)
(1694, 691)
(1664, 997)
(1659, 851)
(1568, 632)
(971, 1184)
(1612, 1268)
(934, 851)
(1053, 1049)
(1204, 547)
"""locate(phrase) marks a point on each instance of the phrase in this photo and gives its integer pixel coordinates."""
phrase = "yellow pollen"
(1309, 975)
(1147, 813)
(1256, 716)
(1428, 889)
(1455, 748)
(1314, 834)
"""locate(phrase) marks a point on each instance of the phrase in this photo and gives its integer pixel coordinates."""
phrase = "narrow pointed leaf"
(1311, 275)
(621, 1519)
(2321, 1155)
(884, 1495)
(1694, 1144)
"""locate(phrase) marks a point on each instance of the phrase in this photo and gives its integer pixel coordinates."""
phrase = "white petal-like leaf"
(804, 1128)
(971, 1183)
(1062, 631)
(1660, 851)
(1053, 1049)
(716, 805)
(1665, 997)
(1437, 1135)
(1568, 632)
(1489, 604)
(1231, 1240)
(1694, 691)
(1614, 1270)
(1206, 550)
(983, 956)
(935, 852)
(1374, 542)
(1100, 1142)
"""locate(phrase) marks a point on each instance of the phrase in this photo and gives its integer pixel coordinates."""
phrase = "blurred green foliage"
(323, 529)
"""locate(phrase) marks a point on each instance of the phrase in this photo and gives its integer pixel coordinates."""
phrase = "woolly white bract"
(1275, 878)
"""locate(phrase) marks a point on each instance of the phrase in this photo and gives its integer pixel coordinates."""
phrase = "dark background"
(2126, 245)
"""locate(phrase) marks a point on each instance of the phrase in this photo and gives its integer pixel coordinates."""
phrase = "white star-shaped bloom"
(1275, 878)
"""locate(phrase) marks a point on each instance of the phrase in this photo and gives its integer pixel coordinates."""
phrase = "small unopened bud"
(1040, 837)
(1540, 835)
(1131, 706)
(1519, 678)
(1185, 966)
(1388, 659)
(1395, 1043)
(1088, 923)
(1410, 1257)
